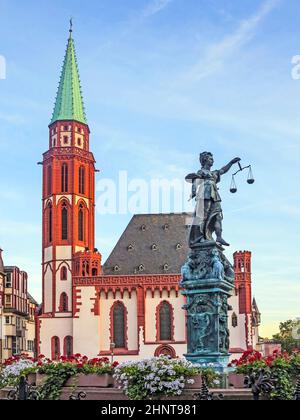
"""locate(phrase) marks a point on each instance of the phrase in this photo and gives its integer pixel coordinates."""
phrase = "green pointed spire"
(69, 102)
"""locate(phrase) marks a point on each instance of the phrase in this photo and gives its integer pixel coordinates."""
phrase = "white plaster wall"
(238, 334)
(54, 327)
(63, 252)
(48, 254)
(65, 134)
(105, 307)
(86, 328)
(48, 290)
(64, 286)
(151, 305)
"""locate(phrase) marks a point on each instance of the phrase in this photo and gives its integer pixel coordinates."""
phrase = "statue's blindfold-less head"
(206, 157)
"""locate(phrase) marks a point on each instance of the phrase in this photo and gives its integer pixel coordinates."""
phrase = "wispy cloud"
(219, 52)
(155, 7)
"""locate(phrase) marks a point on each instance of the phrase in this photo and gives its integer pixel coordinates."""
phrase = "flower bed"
(51, 376)
(158, 377)
(282, 368)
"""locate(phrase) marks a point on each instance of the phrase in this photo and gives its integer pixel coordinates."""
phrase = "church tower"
(243, 284)
(68, 196)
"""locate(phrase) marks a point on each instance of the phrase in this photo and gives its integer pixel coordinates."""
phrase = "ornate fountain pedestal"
(208, 282)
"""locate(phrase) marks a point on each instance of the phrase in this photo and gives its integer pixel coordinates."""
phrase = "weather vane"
(250, 180)
(71, 25)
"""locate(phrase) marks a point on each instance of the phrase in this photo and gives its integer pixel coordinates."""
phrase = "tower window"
(64, 273)
(49, 180)
(81, 180)
(64, 222)
(64, 178)
(81, 223)
(50, 222)
(79, 142)
(63, 304)
(66, 139)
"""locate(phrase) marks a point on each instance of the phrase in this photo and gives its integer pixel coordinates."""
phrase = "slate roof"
(32, 300)
(69, 101)
(151, 244)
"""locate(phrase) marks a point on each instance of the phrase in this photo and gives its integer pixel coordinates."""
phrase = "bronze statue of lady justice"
(208, 214)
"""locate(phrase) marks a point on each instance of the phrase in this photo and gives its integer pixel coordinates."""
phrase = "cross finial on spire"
(71, 26)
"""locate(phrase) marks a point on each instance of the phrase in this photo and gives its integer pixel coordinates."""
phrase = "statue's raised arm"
(227, 167)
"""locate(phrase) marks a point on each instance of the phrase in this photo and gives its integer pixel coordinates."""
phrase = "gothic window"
(63, 307)
(64, 178)
(119, 326)
(81, 180)
(234, 320)
(64, 273)
(50, 222)
(66, 139)
(81, 223)
(165, 322)
(49, 180)
(55, 346)
(68, 346)
(64, 222)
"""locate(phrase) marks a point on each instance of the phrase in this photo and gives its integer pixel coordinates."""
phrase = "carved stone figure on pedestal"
(208, 213)
(207, 276)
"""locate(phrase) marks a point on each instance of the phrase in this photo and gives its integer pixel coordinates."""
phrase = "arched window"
(50, 222)
(63, 304)
(64, 178)
(234, 320)
(64, 273)
(165, 322)
(49, 180)
(81, 223)
(64, 222)
(119, 325)
(81, 180)
(68, 346)
(55, 348)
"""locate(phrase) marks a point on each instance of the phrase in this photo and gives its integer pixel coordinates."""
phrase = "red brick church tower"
(68, 196)
(243, 284)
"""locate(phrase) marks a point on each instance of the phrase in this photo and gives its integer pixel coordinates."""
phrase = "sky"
(162, 80)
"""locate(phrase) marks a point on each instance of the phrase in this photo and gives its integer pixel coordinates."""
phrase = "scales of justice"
(208, 276)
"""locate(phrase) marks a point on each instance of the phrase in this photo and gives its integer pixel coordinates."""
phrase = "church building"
(131, 305)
